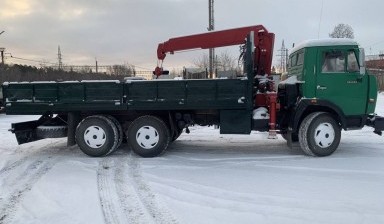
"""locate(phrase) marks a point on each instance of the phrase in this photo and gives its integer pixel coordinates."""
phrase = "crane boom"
(263, 42)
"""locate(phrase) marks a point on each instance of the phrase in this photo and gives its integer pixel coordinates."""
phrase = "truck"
(327, 90)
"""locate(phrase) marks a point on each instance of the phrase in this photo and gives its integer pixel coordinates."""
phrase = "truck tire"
(119, 130)
(97, 136)
(319, 134)
(43, 131)
(148, 136)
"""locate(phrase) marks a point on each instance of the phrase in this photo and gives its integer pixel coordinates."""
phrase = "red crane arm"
(263, 42)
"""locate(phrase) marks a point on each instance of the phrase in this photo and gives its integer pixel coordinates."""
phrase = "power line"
(62, 66)
(31, 60)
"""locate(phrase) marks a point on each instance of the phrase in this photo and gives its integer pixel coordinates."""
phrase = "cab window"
(333, 61)
(352, 62)
(296, 59)
(293, 60)
(300, 58)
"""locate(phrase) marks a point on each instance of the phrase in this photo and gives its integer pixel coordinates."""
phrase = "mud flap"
(25, 131)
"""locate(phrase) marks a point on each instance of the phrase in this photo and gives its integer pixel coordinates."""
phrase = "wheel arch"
(308, 106)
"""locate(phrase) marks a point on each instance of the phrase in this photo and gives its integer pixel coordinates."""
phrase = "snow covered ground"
(203, 178)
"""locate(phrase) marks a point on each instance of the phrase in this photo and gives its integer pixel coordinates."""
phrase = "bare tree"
(201, 62)
(121, 70)
(224, 62)
(342, 31)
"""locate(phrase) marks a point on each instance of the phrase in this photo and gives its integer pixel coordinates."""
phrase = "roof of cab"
(323, 43)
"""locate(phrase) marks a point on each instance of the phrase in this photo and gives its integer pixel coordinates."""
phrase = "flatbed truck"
(328, 90)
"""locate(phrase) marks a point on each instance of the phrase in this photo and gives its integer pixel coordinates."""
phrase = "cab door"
(339, 80)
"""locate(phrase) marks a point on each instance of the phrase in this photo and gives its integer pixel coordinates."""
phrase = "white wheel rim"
(324, 135)
(147, 137)
(94, 137)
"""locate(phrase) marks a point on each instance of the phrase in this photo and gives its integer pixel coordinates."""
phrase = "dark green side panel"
(186, 94)
(71, 92)
(372, 94)
(39, 98)
(235, 122)
(46, 93)
(173, 91)
(22, 92)
(103, 92)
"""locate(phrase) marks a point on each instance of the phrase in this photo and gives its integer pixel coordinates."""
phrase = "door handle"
(321, 87)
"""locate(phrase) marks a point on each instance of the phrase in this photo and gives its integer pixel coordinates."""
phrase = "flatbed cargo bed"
(108, 95)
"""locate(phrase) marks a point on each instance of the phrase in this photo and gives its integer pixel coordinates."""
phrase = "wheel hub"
(324, 135)
(147, 137)
(94, 137)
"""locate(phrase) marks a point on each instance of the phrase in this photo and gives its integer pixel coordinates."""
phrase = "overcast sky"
(128, 31)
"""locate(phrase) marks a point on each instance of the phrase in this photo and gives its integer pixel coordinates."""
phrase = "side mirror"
(362, 61)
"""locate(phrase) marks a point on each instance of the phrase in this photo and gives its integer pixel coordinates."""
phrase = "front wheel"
(319, 134)
(148, 136)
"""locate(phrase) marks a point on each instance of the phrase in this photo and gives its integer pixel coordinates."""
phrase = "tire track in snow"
(115, 198)
(22, 183)
(13, 165)
(25, 158)
(104, 188)
(125, 197)
(159, 212)
(20, 180)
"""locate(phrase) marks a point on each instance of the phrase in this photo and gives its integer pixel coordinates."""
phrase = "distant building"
(375, 66)
(195, 73)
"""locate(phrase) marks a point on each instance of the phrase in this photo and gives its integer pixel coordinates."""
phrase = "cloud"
(12, 8)
(117, 31)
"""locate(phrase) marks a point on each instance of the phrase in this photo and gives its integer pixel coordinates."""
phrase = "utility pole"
(59, 58)
(211, 27)
(97, 68)
(2, 49)
(283, 58)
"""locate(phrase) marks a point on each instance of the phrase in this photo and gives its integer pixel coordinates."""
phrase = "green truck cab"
(331, 72)
(328, 78)
(327, 90)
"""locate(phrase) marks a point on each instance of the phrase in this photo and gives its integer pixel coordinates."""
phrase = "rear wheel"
(148, 136)
(319, 134)
(119, 130)
(97, 136)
